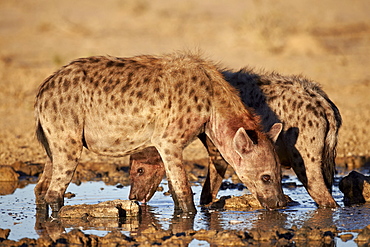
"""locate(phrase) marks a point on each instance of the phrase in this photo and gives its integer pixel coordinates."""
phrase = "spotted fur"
(307, 143)
(120, 106)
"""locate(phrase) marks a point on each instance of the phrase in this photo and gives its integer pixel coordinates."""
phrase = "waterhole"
(17, 212)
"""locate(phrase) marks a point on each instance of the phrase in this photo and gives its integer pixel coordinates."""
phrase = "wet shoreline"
(299, 223)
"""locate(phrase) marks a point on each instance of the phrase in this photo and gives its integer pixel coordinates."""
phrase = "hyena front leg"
(212, 184)
(176, 174)
(216, 172)
(173, 194)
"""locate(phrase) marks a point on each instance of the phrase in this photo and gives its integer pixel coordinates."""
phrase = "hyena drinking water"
(119, 106)
(307, 143)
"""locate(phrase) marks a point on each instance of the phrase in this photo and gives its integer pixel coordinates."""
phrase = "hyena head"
(146, 173)
(257, 165)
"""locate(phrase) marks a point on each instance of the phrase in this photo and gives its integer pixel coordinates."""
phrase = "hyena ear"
(242, 143)
(275, 131)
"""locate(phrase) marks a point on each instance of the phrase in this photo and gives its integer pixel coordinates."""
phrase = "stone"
(4, 233)
(115, 208)
(244, 202)
(7, 173)
(356, 188)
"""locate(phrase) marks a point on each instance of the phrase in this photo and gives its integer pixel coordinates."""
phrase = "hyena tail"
(40, 134)
(334, 122)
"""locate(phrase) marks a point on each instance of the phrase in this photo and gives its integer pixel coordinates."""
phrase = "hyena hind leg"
(64, 164)
(43, 185)
(63, 170)
(317, 187)
(307, 165)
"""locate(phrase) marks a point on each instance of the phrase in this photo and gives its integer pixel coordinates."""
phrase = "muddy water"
(17, 213)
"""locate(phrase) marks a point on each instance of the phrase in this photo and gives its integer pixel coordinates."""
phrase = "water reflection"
(263, 220)
(50, 228)
(158, 215)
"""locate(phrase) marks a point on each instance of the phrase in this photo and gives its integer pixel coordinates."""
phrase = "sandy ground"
(327, 41)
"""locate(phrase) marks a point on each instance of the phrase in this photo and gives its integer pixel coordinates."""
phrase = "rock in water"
(115, 208)
(356, 188)
(244, 202)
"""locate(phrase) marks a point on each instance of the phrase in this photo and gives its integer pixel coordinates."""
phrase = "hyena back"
(119, 106)
(307, 143)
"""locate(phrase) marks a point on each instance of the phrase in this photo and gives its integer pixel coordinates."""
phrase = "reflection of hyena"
(119, 106)
(307, 143)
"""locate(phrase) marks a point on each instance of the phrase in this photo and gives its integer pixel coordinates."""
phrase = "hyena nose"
(279, 203)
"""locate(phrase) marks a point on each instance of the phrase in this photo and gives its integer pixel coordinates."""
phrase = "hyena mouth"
(143, 201)
(149, 195)
(265, 206)
(271, 206)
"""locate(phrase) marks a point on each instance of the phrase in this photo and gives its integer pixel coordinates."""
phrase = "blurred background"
(328, 41)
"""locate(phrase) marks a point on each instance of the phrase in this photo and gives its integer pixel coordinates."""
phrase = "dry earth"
(328, 41)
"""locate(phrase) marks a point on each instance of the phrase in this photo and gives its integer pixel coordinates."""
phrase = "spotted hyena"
(119, 106)
(307, 143)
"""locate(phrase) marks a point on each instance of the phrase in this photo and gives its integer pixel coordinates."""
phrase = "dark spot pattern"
(139, 94)
(66, 84)
(109, 88)
(55, 108)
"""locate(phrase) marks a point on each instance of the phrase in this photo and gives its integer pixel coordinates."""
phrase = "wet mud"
(236, 220)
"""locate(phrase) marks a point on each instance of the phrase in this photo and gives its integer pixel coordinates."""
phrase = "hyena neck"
(222, 128)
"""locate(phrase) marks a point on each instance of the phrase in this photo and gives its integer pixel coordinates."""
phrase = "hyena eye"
(140, 171)
(266, 178)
